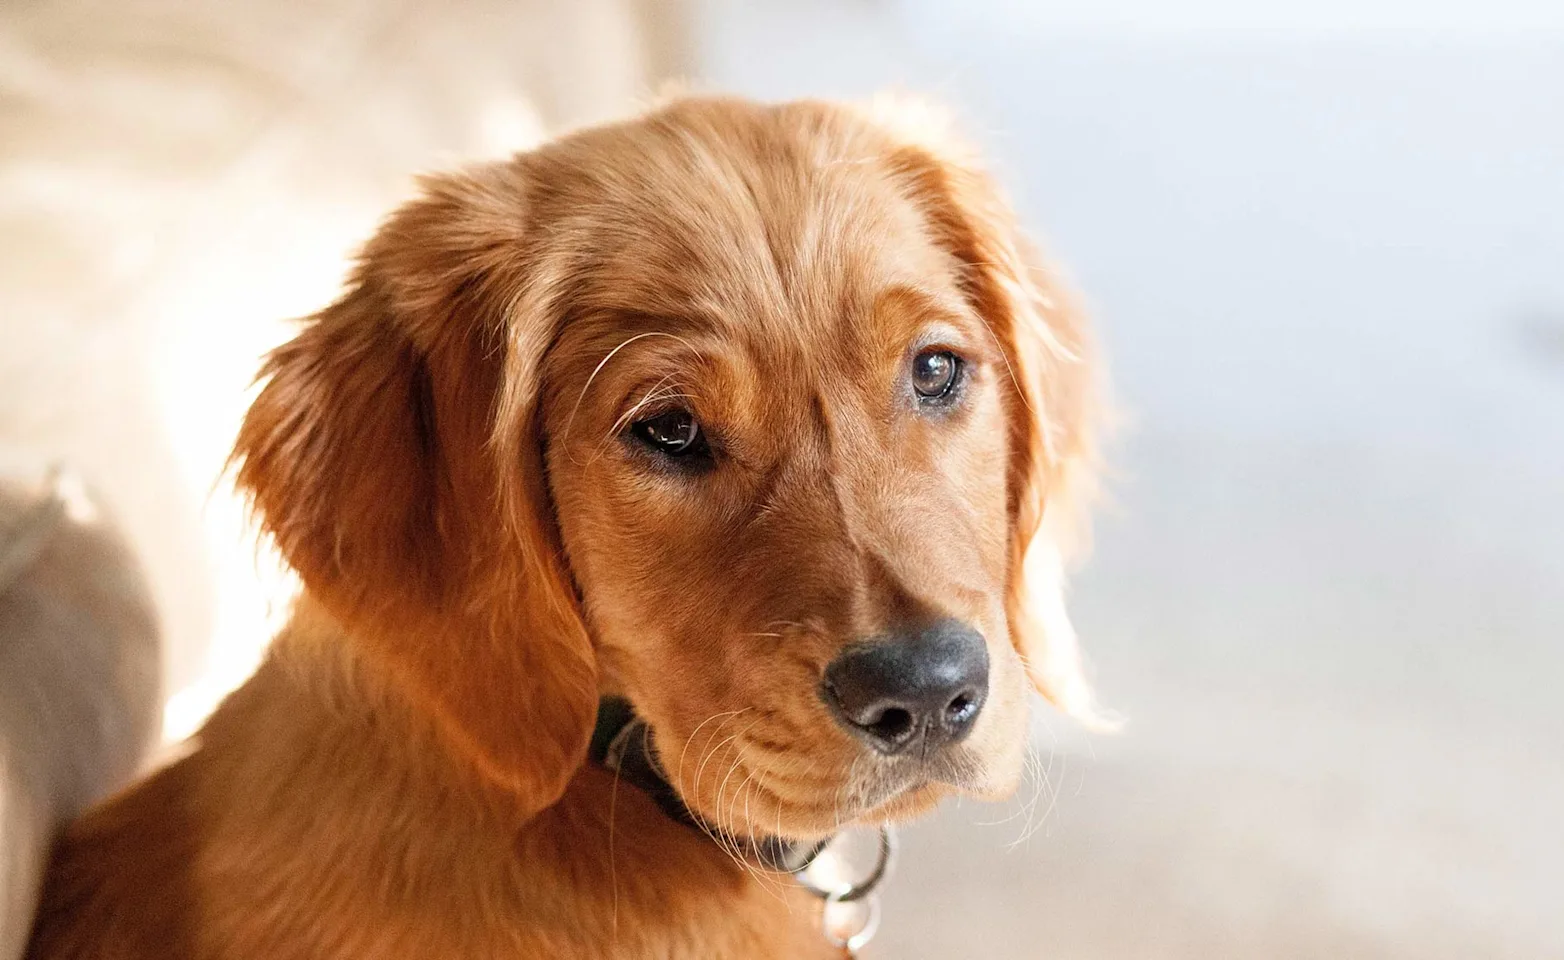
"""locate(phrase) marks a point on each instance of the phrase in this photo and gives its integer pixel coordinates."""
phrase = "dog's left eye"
(935, 373)
(675, 434)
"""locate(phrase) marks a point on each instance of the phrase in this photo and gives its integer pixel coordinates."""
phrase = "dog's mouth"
(737, 787)
(750, 791)
(770, 770)
(816, 810)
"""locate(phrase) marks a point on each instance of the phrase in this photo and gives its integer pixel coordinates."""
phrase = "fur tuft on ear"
(368, 457)
(1053, 396)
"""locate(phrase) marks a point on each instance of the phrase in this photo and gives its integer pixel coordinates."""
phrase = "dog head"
(764, 417)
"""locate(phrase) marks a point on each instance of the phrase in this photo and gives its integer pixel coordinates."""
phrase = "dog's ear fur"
(1052, 396)
(369, 456)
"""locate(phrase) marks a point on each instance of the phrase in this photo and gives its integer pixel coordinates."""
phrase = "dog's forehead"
(779, 233)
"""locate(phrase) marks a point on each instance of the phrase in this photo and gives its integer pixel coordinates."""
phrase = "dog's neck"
(366, 705)
(317, 815)
(318, 756)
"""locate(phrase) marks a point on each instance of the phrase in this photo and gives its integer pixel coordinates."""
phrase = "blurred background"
(1324, 245)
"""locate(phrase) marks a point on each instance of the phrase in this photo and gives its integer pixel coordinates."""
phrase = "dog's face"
(795, 457)
(748, 414)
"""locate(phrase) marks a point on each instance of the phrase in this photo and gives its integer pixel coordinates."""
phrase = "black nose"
(928, 685)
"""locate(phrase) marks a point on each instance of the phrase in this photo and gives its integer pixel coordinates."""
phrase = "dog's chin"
(815, 821)
(893, 792)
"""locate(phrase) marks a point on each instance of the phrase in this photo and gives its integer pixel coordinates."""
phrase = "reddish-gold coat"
(442, 456)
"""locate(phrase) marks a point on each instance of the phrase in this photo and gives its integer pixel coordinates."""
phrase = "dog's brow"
(922, 298)
(604, 362)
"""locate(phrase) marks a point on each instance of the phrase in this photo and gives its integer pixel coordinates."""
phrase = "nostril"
(892, 725)
(961, 710)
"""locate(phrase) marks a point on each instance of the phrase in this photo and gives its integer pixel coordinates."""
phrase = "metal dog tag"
(848, 885)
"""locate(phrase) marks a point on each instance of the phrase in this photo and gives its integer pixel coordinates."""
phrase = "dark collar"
(621, 744)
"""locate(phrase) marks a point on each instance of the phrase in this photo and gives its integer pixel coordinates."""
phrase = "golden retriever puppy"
(760, 418)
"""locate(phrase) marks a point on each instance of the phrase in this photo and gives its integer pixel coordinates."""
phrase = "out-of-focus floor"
(1329, 269)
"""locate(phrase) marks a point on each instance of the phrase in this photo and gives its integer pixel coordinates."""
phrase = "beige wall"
(179, 178)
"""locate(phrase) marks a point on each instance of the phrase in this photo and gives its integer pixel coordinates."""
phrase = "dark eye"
(676, 434)
(934, 373)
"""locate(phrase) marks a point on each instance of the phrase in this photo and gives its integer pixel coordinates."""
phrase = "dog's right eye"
(675, 434)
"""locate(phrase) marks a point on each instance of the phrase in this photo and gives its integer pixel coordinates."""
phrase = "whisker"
(1046, 782)
(1053, 801)
(1029, 766)
(768, 878)
(730, 843)
(613, 431)
(649, 397)
(652, 396)
(679, 773)
(613, 865)
(1014, 380)
(701, 770)
(723, 842)
(570, 420)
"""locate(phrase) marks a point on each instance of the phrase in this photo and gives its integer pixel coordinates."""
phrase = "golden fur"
(442, 456)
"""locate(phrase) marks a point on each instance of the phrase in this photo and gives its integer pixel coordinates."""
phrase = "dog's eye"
(934, 373)
(676, 434)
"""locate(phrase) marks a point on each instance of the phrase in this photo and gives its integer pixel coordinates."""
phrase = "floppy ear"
(1051, 391)
(368, 458)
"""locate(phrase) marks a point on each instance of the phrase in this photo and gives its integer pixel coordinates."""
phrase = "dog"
(762, 420)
